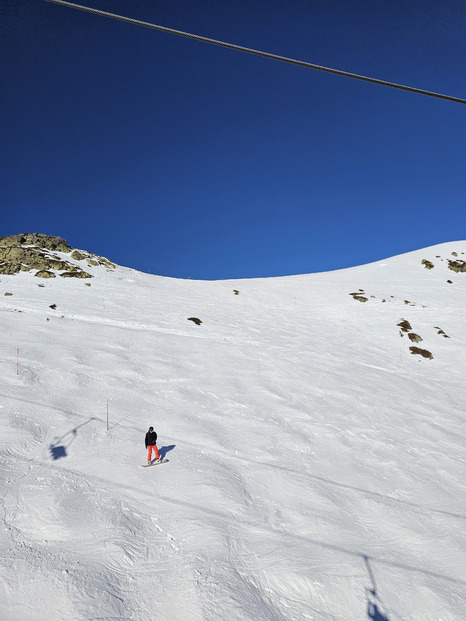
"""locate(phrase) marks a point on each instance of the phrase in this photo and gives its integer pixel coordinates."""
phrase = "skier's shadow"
(163, 450)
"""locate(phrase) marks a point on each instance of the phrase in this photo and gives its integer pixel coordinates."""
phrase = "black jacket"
(151, 438)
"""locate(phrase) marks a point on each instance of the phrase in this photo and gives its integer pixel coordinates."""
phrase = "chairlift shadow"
(373, 600)
(58, 448)
(120, 421)
(57, 451)
(374, 613)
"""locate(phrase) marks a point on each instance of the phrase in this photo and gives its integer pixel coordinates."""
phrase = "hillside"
(314, 427)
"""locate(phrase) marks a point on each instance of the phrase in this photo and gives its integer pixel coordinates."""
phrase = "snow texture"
(317, 465)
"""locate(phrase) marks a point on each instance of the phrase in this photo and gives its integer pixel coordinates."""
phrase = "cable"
(248, 50)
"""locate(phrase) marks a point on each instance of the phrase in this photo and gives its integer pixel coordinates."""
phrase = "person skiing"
(151, 440)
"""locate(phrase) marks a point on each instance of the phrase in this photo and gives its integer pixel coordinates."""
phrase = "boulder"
(44, 274)
(9, 268)
(457, 266)
(421, 352)
(78, 256)
(76, 274)
(427, 264)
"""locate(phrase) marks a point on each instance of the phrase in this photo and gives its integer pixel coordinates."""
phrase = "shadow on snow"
(373, 599)
(163, 450)
(59, 446)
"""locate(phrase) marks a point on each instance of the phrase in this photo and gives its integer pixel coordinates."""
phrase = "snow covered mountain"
(314, 427)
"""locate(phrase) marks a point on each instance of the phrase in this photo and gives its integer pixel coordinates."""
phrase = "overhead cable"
(248, 50)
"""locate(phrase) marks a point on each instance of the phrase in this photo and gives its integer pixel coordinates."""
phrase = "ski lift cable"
(248, 50)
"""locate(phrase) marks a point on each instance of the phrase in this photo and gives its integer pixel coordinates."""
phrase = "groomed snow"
(316, 467)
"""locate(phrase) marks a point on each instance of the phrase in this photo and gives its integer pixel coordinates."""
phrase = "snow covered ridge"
(46, 255)
(315, 465)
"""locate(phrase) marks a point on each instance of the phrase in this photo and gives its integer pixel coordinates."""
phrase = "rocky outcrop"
(44, 274)
(75, 274)
(457, 266)
(358, 295)
(404, 325)
(48, 242)
(425, 353)
(35, 251)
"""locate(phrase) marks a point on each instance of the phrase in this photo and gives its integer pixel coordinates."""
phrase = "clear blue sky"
(184, 159)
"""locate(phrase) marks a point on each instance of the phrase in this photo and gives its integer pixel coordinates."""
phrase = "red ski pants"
(156, 451)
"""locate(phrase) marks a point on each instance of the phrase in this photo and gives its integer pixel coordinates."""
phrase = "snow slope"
(316, 466)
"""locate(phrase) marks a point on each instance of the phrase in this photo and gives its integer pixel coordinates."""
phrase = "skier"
(151, 439)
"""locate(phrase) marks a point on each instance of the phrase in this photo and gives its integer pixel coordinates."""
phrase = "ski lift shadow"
(374, 613)
(60, 445)
(57, 451)
(374, 602)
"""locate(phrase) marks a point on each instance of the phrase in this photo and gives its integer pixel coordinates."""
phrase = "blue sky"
(183, 159)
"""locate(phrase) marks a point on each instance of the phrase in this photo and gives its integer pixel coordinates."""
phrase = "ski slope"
(316, 466)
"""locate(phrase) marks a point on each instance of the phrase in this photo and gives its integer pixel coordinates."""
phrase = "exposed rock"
(358, 297)
(421, 352)
(34, 251)
(36, 239)
(457, 266)
(440, 331)
(404, 325)
(415, 337)
(75, 274)
(14, 259)
(44, 274)
(78, 256)
(9, 269)
(92, 259)
(7, 293)
(195, 320)
(427, 264)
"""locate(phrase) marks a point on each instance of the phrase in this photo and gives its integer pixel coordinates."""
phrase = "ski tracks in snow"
(78, 549)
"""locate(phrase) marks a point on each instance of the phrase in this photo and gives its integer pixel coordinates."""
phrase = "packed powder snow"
(316, 460)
